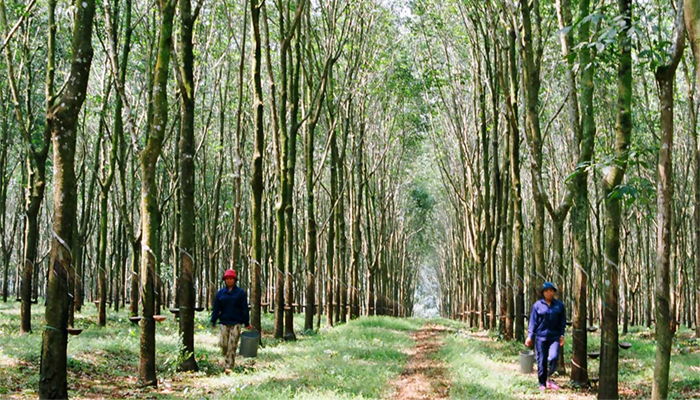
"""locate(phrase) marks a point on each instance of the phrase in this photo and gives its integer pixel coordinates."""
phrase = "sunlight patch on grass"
(7, 361)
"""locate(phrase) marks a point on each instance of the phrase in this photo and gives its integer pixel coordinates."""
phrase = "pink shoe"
(542, 388)
(552, 385)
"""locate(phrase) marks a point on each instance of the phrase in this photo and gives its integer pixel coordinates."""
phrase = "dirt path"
(424, 376)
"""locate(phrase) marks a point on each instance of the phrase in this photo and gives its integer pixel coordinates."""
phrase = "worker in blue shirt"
(231, 310)
(546, 331)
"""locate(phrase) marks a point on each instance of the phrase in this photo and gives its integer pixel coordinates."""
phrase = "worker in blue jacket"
(546, 331)
(231, 310)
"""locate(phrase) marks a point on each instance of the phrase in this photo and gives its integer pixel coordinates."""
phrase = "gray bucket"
(527, 360)
(249, 343)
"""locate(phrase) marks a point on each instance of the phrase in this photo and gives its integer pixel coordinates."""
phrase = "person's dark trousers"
(547, 355)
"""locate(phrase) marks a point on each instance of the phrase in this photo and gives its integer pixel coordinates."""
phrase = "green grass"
(483, 367)
(352, 361)
(357, 360)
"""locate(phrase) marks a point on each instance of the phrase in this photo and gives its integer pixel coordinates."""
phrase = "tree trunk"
(356, 216)
(531, 83)
(331, 264)
(311, 230)
(289, 168)
(282, 155)
(150, 220)
(257, 178)
(580, 209)
(62, 121)
(36, 163)
(612, 178)
(105, 187)
(311, 247)
(238, 160)
(187, 186)
(4, 183)
(341, 236)
(665, 78)
(692, 24)
(134, 291)
(514, 144)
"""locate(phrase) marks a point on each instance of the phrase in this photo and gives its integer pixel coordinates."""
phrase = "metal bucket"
(249, 343)
(527, 360)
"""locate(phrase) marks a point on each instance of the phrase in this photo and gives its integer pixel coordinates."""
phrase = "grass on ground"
(351, 361)
(357, 360)
(481, 366)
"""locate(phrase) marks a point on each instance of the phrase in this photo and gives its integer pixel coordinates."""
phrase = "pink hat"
(229, 274)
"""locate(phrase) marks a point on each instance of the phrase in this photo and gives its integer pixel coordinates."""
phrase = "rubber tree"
(257, 175)
(8, 240)
(665, 78)
(331, 264)
(241, 141)
(107, 169)
(118, 76)
(581, 123)
(119, 69)
(285, 151)
(62, 119)
(357, 183)
(121, 107)
(82, 233)
(516, 186)
(692, 25)
(36, 150)
(187, 297)
(290, 159)
(611, 180)
(584, 144)
(149, 199)
(311, 228)
(531, 54)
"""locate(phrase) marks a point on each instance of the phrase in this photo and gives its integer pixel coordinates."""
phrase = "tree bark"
(187, 186)
(62, 121)
(356, 216)
(289, 168)
(530, 53)
(311, 229)
(514, 147)
(150, 220)
(665, 78)
(36, 162)
(331, 263)
(612, 178)
(257, 178)
(580, 209)
(692, 25)
(105, 186)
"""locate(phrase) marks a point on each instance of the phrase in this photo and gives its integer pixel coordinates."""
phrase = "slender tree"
(188, 17)
(692, 24)
(149, 201)
(62, 120)
(257, 174)
(36, 154)
(612, 178)
(665, 78)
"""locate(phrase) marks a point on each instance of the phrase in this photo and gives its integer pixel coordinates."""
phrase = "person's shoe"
(552, 385)
(542, 388)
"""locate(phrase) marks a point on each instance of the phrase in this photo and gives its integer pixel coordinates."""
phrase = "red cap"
(229, 274)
